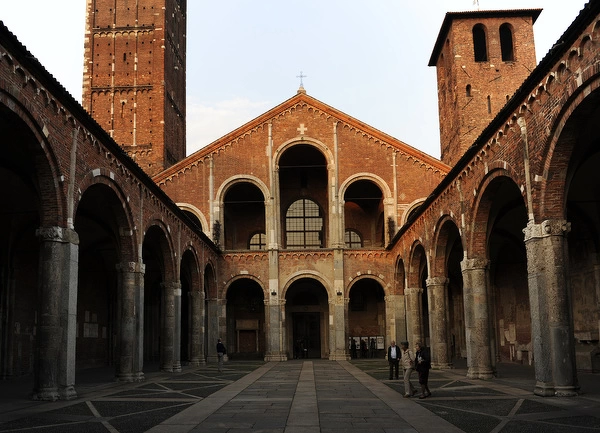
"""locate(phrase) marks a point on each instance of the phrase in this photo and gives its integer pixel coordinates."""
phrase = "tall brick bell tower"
(134, 76)
(482, 58)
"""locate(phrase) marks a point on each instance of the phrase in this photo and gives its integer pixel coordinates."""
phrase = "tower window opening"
(480, 43)
(489, 104)
(506, 43)
(468, 91)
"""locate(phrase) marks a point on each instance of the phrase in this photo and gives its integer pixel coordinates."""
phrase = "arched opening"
(303, 197)
(509, 297)
(480, 50)
(582, 191)
(456, 310)
(366, 318)
(190, 282)
(363, 211)
(506, 43)
(20, 217)
(97, 224)
(307, 312)
(193, 218)
(244, 215)
(245, 320)
(153, 256)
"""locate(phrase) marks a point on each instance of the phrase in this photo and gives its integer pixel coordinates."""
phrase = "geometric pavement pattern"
(135, 409)
(497, 406)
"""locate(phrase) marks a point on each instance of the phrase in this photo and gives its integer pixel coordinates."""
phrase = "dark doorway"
(307, 335)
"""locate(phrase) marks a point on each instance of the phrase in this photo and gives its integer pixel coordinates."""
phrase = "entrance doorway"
(307, 335)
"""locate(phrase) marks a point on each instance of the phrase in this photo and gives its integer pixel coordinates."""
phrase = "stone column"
(55, 355)
(167, 358)
(550, 303)
(338, 341)
(177, 327)
(197, 329)
(477, 318)
(275, 328)
(395, 318)
(438, 316)
(212, 311)
(414, 315)
(130, 275)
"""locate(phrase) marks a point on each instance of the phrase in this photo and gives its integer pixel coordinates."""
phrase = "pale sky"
(367, 59)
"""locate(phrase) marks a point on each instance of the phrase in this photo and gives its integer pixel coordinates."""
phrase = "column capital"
(437, 281)
(131, 267)
(57, 234)
(413, 291)
(476, 263)
(546, 228)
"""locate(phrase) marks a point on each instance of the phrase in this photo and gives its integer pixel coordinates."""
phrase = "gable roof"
(301, 98)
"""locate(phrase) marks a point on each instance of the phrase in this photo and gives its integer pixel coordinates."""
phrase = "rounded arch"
(193, 210)
(242, 178)
(384, 286)
(44, 169)
(236, 278)
(575, 119)
(242, 203)
(124, 219)
(367, 209)
(157, 235)
(410, 210)
(310, 275)
(209, 283)
(383, 186)
(480, 43)
(446, 232)
(245, 316)
(307, 312)
(417, 266)
(283, 147)
(399, 276)
(482, 210)
(506, 42)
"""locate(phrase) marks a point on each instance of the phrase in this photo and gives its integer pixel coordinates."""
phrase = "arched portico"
(307, 319)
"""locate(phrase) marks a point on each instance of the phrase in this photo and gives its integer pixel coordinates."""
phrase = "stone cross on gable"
(302, 129)
(301, 76)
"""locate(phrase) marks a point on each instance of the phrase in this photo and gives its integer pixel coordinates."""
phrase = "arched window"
(304, 225)
(258, 241)
(506, 43)
(468, 90)
(352, 239)
(479, 43)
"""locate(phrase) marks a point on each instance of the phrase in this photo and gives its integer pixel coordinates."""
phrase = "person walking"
(423, 365)
(393, 356)
(407, 359)
(221, 351)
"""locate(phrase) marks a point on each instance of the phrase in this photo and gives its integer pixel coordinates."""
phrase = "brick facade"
(305, 227)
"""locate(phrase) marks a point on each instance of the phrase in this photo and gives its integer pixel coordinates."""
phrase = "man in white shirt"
(394, 359)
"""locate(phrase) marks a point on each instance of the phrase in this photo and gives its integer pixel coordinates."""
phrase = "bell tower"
(482, 58)
(134, 76)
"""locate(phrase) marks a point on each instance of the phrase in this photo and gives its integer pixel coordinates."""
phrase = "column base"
(477, 373)
(67, 393)
(197, 362)
(45, 394)
(544, 389)
(566, 391)
(339, 357)
(276, 357)
(442, 366)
